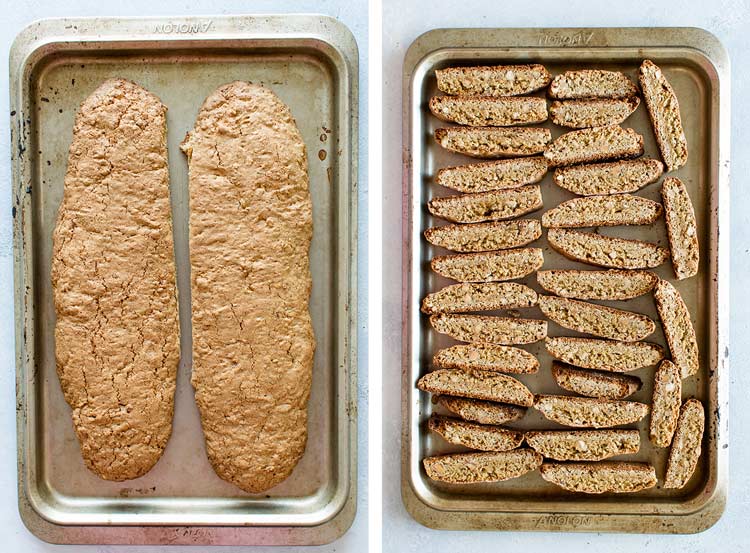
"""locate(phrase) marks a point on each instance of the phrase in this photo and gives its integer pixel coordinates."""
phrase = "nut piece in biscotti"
(485, 237)
(486, 296)
(603, 211)
(486, 385)
(113, 279)
(471, 468)
(497, 80)
(597, 112)
(612, 284)
(484, 111)
(487, 206)
(678, 328)
(492, 142)
(486, 357)
(475, 436)
(500, 174)
(591, 83)
(491, 330)
(665, 405)
(686, 446)
(591, 383)
(584, 445)
(594, 144)
(489, 266)
(607, 251)
(614, 177)
(605, 477)
(250, 233)
(483, 412)
(681, 228)
(589, 412)
(664, 111)
(604, 355)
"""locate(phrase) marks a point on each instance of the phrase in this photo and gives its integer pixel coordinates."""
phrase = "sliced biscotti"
(603, 211)
(686, 446)
(487, 206)
(490, 330)
(486, 385)
(485, 111)
(489, 266)
(496, 80)
(592, 383)
(681, 228)
(599, 320)
(665, 403)
(492, 142)
(612, 284)
(613, 177)
(589, 412)
(594, 144)
(664, 111)
(485, 237)
(486, 357)
(500, 174)
(678, 328)
(471, 468)
(478, 410)
(475, 436)
(584, 445)
(595, 112)
(592, 83)
(607, 251)
(464, 297)
(605, 355)
(604, 477)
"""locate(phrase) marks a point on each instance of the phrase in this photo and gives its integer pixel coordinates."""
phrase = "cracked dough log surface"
(113, 274)
(250, 233)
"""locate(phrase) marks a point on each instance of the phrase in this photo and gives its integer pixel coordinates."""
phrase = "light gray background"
(402, 23)
(15, 16)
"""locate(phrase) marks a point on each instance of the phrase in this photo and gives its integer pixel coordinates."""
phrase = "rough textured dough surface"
(250, 232)
(604, 477)
(113, 275)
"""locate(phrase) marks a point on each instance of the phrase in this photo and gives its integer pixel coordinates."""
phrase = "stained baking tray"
(697, 66)
(311, 62)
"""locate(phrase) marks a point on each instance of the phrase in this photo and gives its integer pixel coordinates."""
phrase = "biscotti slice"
(686, 446)
(486, 357)
(460, 298)
(597, 112)
(485, 237)
(612, 284)
(471, 468)
(605, 355)
(490, 330)
(592, 83)
(599, 320)
(475, 436)
(487, 206)
(486, 385)
(489, 266)
(665, 404)
(497, 80)
(678, 328)
(664, 111)
(478, 410)
(589, 412)
(584, 445)
(681, 228)
(500, 174)
(592, 383)
(602, 211)
(604, 477)
(485, 111)
(492, 142)
(594, 144)
(613, 177)
(607, 251)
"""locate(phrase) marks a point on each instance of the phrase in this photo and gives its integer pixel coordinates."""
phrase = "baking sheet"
(311, 63)
(697, 66)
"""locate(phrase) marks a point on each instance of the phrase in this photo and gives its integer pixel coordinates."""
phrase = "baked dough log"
(113, 278)
(250, 233)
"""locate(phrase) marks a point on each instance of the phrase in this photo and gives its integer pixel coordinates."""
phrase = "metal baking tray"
(698, 68)
(311, 62)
